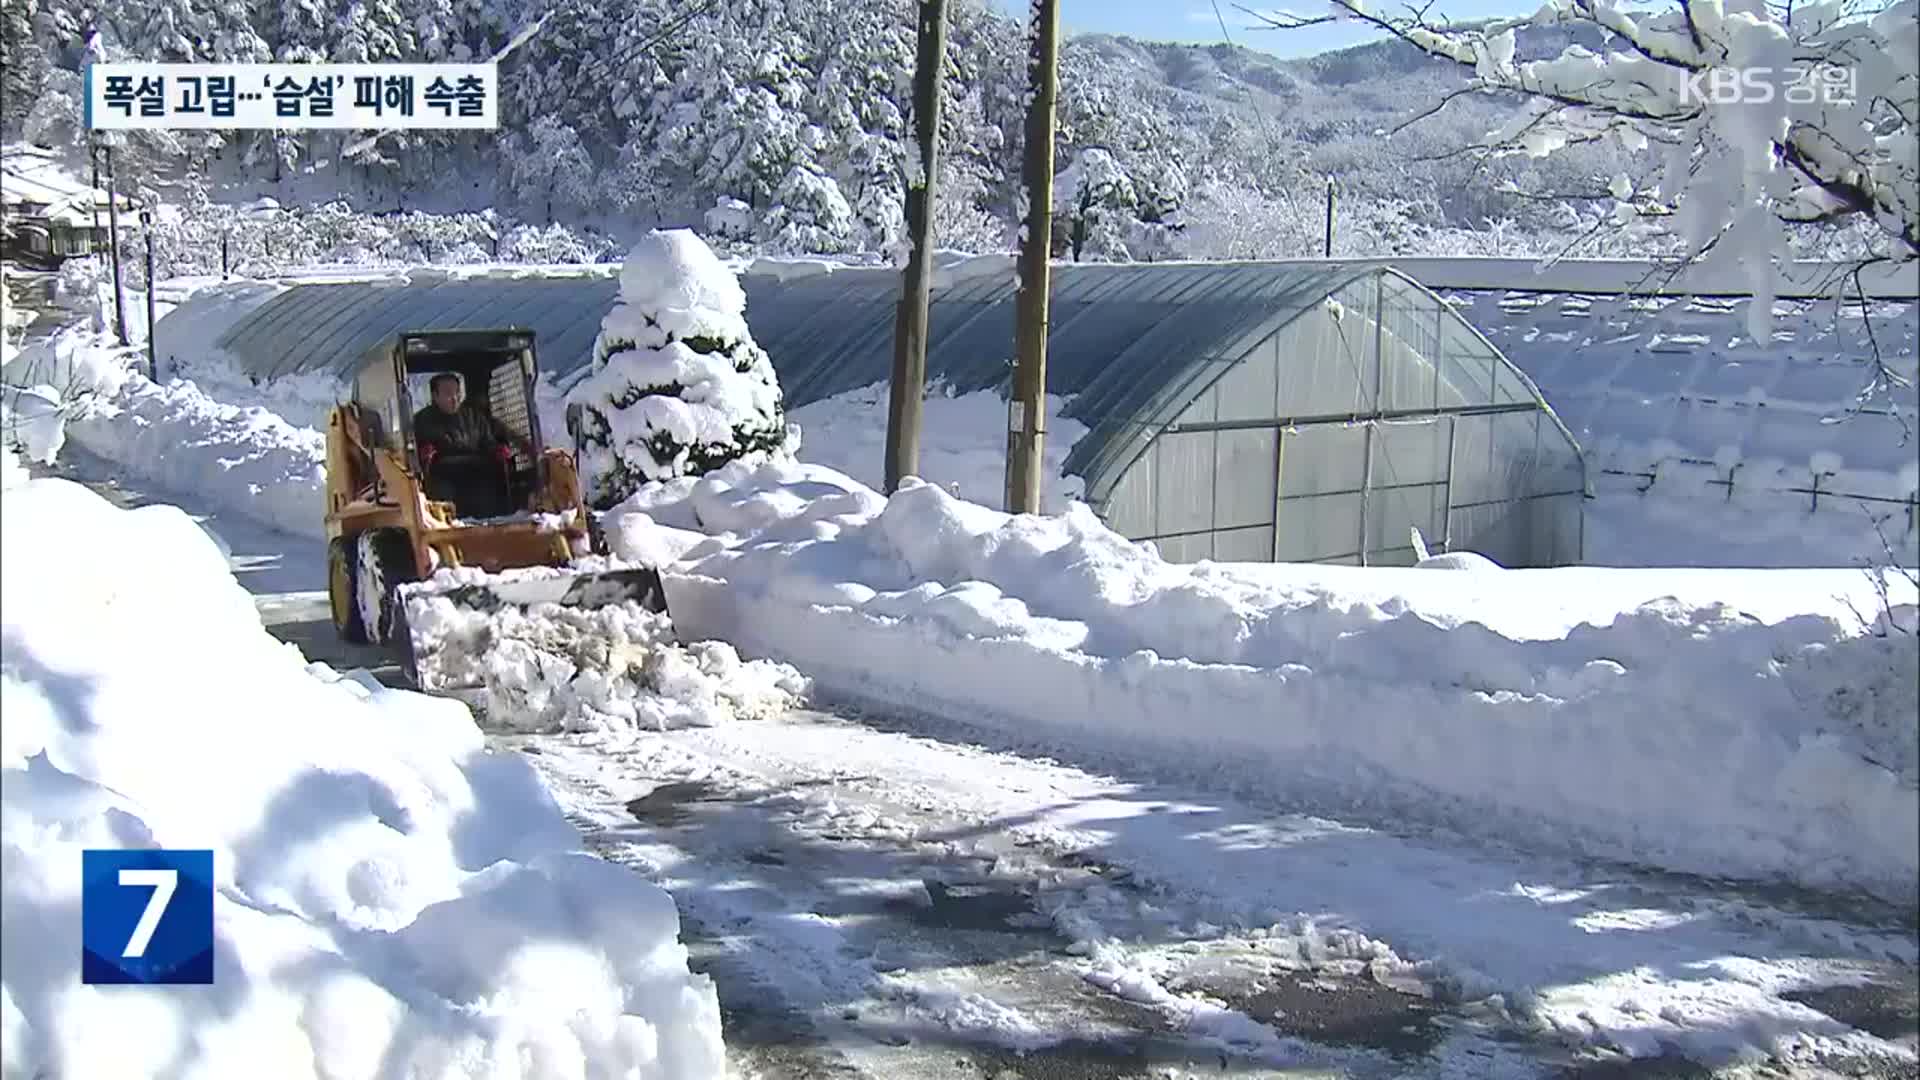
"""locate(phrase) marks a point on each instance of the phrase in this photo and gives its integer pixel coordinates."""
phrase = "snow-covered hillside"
(1229, 142)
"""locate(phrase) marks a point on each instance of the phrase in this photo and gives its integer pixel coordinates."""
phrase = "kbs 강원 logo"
(1798, 84)
(146, 916)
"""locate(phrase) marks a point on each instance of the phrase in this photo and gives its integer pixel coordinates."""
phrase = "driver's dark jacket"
(468, 430)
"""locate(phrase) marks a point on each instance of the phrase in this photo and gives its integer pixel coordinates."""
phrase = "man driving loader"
(465, 451)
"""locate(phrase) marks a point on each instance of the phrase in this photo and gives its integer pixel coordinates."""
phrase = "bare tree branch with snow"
(1768, 120)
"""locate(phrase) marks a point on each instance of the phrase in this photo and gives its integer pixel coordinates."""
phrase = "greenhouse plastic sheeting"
(1290, 410)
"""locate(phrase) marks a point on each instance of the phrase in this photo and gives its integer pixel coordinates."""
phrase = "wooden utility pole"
(153, 356)
(93, 242)
(1027, 411)
(113, 241)
(908, 385)
(1329, 244)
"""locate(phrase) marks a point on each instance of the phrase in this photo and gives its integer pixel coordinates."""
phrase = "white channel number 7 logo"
(162, 882)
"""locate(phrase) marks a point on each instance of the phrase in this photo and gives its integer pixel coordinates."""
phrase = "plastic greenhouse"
(1289, 411)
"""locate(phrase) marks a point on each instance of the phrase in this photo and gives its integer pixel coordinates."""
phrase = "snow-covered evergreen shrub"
(730, 219)
(678, 386)
(551, 244)
(809, 215)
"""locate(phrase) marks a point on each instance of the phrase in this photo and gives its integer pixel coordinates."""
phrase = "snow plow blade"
(596, 589)
(445, 643)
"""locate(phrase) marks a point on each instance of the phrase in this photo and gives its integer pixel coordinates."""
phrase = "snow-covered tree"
(1236, 221)
(551, 244)
(549, 167)
(809, 215)
(879, 193)
(1094, 206)
(23, 68)
(1764, 116)
(729, 219)
(678, 387)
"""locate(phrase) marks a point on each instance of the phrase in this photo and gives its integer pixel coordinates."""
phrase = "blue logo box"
(146, 917)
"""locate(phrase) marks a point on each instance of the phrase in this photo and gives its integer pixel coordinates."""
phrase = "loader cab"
(497, 370)
(385, 525)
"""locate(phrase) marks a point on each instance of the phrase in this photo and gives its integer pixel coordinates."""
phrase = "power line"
(671, 29)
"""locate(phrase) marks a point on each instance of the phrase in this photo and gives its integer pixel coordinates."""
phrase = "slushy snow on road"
(391, 896)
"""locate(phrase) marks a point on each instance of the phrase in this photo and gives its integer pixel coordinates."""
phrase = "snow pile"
(77, 361)
(46, 384)
(678, 386)
(1450, 560)
(848, 432)
(390, 894)
(86, 390)
(186, 345)
(1869, 693)
(33, 419)
(245, 459)
(1588, 735)
(612, 669)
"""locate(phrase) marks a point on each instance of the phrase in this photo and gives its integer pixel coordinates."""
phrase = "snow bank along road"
(876, 902)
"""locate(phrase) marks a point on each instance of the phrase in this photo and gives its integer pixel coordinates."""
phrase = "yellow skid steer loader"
(398, 510)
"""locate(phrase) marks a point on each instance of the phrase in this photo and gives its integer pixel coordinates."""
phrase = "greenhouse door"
(1352, 493)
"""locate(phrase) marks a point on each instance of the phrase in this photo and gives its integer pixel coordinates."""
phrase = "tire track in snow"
(824, 966)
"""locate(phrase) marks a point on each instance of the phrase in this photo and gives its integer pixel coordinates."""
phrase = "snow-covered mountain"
(793, 120)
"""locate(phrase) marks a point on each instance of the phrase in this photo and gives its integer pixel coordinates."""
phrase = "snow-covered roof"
(32, 174)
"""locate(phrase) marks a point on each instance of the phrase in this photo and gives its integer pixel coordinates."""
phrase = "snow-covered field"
(391, 895)
(1705, 449)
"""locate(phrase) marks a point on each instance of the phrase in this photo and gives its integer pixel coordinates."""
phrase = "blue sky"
(1194, 20)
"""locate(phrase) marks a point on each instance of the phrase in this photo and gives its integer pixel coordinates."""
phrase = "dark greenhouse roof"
(1131, 343)
(827, 332)
(328, 327)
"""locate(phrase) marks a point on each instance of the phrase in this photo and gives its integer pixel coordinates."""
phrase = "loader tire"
(342, 595)
(384, 563)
